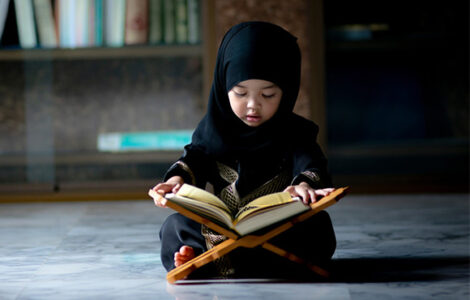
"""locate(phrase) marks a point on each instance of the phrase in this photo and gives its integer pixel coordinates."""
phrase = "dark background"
(397, 99)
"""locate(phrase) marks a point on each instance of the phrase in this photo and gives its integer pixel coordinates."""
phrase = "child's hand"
(308, 194)
(158, 192)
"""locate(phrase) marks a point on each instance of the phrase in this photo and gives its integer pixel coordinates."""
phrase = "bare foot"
(185, 254)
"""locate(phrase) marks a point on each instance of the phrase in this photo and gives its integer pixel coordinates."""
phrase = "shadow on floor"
(394, 269)
(372, 270)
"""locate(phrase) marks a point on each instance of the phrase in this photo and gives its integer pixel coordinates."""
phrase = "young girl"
(249, 144)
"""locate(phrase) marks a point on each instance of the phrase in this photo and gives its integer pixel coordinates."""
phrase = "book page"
(268, 215)
(263, 203)
(196, 193)
(211, 212)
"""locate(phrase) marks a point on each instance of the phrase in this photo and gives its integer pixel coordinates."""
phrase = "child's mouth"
(253, 118)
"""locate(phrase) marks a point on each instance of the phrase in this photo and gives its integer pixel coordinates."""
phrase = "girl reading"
(250, 143)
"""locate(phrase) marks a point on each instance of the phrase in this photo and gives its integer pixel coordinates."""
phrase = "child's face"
(255, 101)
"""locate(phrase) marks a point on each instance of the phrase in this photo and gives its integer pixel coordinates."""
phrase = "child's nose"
(252, 102)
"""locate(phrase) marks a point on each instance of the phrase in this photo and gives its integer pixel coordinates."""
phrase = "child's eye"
(240, 94)
(268, 96)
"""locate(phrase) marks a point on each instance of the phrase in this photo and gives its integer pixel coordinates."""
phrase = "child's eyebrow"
(263, 88)
(269, 86)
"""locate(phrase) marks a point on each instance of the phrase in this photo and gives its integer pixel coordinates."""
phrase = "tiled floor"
(389, 247)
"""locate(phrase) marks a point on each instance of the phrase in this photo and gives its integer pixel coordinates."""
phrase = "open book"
(257, 214)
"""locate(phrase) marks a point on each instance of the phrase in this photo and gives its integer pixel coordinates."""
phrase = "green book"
(181, 15)
(156, 25)
(194, 21)
(98, 23)
(169, 34)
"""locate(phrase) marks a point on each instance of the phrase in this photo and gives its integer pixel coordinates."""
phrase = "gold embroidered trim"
(227, 173)
(313, 176)
(222, 264)
(232, 199)
(187, 169)
(274, 185)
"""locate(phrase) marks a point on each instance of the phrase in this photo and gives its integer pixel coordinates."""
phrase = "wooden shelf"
(102, 53)
(77, 191)
(101, 158)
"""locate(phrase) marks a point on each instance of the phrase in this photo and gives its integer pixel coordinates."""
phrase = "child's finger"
(160, 202)
(323, 192)
(176, 188)
(303, 193)
(163, 188)
(152, 193)
(157, 198)
(159, 187)
(313, 197)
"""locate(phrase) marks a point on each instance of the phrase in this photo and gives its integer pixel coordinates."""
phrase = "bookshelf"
(60, 100)
(30, 24)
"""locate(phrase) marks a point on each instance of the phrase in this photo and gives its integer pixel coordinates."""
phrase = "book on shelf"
(65, 16)
(96, 23)
(80, 30)
(45, 23)
(91, 23)
(79, 23)
(73, 22)
(62, 11)
(56, 11)
(193, 21)
(25, 22)
(155, 22)
(257, 214)
(169, 24)
(136, 28)
(181, 21)
(114, 22)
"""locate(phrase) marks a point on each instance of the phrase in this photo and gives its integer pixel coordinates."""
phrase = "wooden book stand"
(249, 241)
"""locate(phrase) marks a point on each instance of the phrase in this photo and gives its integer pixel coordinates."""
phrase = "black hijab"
(250, 50)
